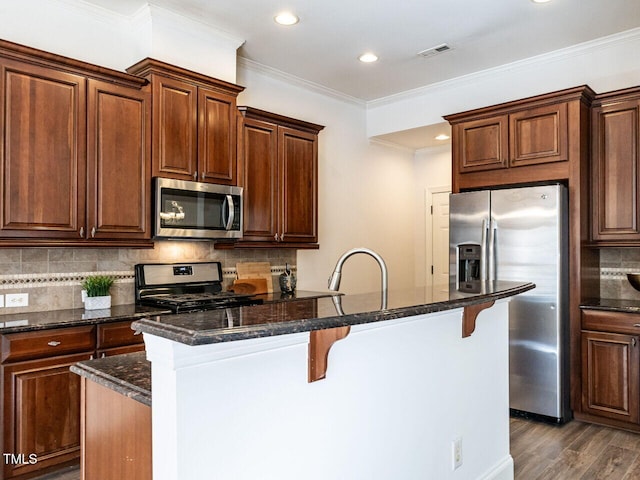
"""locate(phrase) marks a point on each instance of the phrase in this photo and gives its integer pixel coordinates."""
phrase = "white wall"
(432, 169)
(365, 198)
(605, 64)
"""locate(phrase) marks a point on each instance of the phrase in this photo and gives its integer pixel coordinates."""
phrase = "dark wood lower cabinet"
(116, 435)
(40, 397)
(41, 413)
(610, 376)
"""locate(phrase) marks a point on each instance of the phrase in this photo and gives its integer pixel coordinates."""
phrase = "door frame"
(429, 191)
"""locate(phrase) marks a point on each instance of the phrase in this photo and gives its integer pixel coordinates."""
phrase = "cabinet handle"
(195, 175)
(276, 237)
(282, 237)
(636, 324)
(102, 355)
(81, 232)
(53, 343)
(203, 176)
(633, 341)
(91, 357)
(93, 232)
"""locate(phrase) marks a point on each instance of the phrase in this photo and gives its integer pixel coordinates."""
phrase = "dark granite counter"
(128, 374)
(612, 305)
(25, 322)
(308, 314)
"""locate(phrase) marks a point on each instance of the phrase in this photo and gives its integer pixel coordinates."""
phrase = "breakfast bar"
(330, 387)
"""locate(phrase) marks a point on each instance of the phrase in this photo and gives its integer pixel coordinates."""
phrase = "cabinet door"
(119, 162)
(43, 151)
(538, 135)
(41, 413)
(216, 137)
(615, 163)
(482, 144)
(298, 164)
(610, 372)
(258, 166)
(175, 108)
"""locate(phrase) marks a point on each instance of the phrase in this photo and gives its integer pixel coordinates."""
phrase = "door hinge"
(431, 209)
(431, 269)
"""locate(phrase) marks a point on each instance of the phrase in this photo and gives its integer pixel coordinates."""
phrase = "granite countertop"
(128, 374)
(612, 305)
(304, 315)
(25, 322)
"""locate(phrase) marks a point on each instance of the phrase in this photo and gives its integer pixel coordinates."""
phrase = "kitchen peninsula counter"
(309, 314)
(400, 384)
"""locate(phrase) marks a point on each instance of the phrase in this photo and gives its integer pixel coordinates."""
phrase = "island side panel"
(396, 395)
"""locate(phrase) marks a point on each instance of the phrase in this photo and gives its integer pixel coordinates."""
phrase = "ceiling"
(323, 48)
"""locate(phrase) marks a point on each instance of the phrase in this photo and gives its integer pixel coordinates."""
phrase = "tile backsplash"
(52, 276)
(615, 263)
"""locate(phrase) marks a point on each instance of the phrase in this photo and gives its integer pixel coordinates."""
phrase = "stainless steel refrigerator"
(521, 234)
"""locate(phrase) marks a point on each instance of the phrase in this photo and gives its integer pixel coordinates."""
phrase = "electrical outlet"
(1, 301)
(17, 300)
(456, 451)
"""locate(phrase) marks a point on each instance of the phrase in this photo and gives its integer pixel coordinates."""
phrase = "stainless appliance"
(196, 210)
(521, 234)
(185, 287)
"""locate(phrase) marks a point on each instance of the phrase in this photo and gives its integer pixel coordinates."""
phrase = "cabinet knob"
(81, 232)
(93, 232)
(53, 343)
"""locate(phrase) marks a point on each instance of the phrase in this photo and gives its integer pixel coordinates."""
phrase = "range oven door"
(196, 210)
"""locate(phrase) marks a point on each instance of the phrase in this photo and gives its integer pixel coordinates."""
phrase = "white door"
(440, 238)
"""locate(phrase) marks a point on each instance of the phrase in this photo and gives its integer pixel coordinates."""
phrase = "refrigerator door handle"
(493, 264)
(484, 247)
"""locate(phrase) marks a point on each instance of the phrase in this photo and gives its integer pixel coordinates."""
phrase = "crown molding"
(393, 145)
(254, 66)
(562, 54)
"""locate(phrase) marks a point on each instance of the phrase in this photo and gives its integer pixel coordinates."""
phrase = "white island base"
(396, 396)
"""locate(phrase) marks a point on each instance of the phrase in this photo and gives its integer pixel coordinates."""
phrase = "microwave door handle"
(230, 209)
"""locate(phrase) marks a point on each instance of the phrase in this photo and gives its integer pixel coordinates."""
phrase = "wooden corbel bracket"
(469, 315)
(320, 342)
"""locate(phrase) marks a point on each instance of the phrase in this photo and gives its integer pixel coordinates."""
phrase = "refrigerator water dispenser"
(469, 258)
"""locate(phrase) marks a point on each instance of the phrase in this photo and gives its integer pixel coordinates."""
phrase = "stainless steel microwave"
(196, 210)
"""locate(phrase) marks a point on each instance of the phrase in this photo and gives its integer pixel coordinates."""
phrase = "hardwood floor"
(575, 451)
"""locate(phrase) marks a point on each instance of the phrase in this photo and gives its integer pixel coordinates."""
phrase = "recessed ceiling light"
(286, 18)
(540, 1)
(442, 136)
(368, 57)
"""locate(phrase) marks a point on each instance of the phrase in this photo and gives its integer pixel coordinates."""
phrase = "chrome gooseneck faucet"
(334, 280)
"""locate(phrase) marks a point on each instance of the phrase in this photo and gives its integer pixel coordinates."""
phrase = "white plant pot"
(97, 303)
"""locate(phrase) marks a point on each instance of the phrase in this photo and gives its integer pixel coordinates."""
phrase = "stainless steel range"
(185, 287)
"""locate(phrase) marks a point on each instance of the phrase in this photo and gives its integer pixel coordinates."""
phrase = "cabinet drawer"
(117, 334)
(47, 343)
(616, 322)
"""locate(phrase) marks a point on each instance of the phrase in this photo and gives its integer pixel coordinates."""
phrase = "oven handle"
(230, 209)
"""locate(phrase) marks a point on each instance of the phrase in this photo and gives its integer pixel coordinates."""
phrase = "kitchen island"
(264, 392)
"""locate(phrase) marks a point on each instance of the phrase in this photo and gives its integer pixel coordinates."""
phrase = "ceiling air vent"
(430, 52)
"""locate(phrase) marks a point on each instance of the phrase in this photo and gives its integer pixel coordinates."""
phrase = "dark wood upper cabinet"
(119, 163)
(615, 163)
(278, 169)
(523, 141)
(194, 123)
(75, 152)
(43, 151)
(538, 135)
(483, 144)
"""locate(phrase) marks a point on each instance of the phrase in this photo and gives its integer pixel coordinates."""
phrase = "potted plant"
(95, 292)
